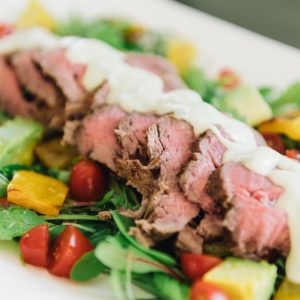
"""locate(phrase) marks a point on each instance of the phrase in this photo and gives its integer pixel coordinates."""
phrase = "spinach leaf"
(124, 224)
(117, 279)
(16, 221)
(87, 268)
(163, 286)
(114, 252)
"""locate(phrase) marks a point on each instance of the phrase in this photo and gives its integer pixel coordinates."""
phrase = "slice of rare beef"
(207, 157)
(30, 76)
(96, 136)
(166, 214)
(247, 201)
(55, 65)
(11, 95)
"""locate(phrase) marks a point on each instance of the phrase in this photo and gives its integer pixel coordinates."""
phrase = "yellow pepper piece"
(288, 291)
(35, 15)
(54, 155)
(37, 192)
(181, 54)
(289, 126)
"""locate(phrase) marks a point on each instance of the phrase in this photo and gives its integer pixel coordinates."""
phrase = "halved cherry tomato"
(5, 29)
(34, 245)
(206, 291)
(228, 79)
(293, 153)
(87, 181)
(67, 249)
(274, 141)
(196, 265)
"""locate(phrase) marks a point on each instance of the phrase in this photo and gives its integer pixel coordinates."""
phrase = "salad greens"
(116, 252)
(87, 268)
(16, 220)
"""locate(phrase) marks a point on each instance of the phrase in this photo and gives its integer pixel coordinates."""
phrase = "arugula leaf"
(87, 268)
(119, 196)
(16, 221)
(124, 224)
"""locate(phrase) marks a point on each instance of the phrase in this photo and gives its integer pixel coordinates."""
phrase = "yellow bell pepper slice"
(53, 154)
(290, 126)
(38, 192)
(288, 291)
(181, 54)
(35, 15)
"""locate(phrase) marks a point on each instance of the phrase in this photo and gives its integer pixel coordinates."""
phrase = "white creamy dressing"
(139, 90)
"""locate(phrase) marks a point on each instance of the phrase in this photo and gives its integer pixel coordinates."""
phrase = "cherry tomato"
(229, 79)
(5, 29)
(293, 153)
(68, 248)
(34, 245)
(87, 181)
(274, 141)
(206, 291)
(196, 265)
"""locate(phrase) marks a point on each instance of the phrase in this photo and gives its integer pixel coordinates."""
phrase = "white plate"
(259, 61)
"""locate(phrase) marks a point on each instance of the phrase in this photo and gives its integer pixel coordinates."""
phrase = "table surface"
(278, 19)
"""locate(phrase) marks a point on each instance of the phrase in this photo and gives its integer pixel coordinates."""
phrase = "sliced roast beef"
(207, 157)
(11, 96)
(55, 65)
(161, 151)
(166, 215)
(30, 77)
(96, 136)
(234, 180)
(152, 159)
(249, 217)
(189, 240)
(159, 66)
(132, 162)
(131, 133)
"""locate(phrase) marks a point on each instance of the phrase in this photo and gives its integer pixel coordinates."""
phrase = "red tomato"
(87, 181)
(206, 291)
(5, 29)
(293, 153)
(196, 265)
(274, 141)
(67, 249)
(229, 79)
(34, 246)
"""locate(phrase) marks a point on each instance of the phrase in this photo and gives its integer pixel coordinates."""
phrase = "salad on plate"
(120, 156)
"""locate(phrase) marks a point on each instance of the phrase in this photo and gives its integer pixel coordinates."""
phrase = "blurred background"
(278, 19)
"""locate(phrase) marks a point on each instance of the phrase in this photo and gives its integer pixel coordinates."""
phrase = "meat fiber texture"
(177, 174)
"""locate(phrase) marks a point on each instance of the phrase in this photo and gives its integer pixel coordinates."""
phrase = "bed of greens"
(69, 238)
